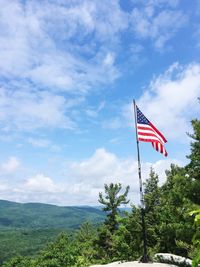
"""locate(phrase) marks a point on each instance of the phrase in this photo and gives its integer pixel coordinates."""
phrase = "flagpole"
(145, 257)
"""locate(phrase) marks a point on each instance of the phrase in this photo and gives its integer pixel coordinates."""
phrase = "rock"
(133, 264)
(173, 259)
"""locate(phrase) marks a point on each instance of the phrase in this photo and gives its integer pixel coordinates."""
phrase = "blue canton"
(141, 118)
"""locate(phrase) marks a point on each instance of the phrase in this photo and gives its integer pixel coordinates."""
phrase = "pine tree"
(176, 225)
(112, 201)
(193, 173)
(193, 167)
(152, 205)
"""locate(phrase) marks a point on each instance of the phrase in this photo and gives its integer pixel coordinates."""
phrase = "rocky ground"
(133, 264)
(170, 260)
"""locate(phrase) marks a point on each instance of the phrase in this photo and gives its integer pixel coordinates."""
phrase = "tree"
(127, 240)
(61, 253)
(193, 173)
(112, 201)
(20, 261)
(196, 238)
(152, 206)
(84, 239)
(176, 225)
(193, 168)
(151, 192)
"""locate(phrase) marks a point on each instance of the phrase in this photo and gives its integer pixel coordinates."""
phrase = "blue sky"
(69, 71)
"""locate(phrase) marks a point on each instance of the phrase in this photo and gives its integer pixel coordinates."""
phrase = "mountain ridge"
(42, 216)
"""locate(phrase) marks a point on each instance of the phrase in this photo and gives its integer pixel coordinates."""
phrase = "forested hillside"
(36, 215)
(26, 228)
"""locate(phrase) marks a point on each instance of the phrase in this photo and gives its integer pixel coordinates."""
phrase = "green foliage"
(24, 242)
(193, 170)
(20, 261)
(84, 239)
(196, 238)
(152, 201)
(112, 201)
(103, 244)
(193, 167)
(128, 238)
(169, 228)
(105, 241)
(60, 253)
(44, 216)
(27, 228)
(175, 224)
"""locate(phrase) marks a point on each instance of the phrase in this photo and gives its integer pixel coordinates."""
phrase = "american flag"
(147, 132)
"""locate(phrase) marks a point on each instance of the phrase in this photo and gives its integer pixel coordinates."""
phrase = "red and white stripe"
(160, 148)
(149, 133)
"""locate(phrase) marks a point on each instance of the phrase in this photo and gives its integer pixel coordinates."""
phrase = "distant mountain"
(25, 229)
(45, 216)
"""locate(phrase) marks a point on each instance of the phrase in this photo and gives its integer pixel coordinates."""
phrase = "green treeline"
(172, 213)
(25, 229)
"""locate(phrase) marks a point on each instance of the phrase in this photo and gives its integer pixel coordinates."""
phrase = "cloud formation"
(21, 110)
(105, 167)
(37, 43)
(149, 21)
(170, 102)
(10, 166)
(59, 64)
(53, 51)
(45, 63)
(83, 180)
(171, 99)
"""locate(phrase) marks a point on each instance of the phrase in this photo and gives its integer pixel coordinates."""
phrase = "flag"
(147, 132)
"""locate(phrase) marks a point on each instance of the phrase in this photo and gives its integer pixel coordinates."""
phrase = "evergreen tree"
(151, 192)
(193, 173)
(84, 239)
(127, 240)
(193, 168)
(112, 201)
(196, 238)
(20, 262)
(61, 253)
(152, 209)
(176, 225)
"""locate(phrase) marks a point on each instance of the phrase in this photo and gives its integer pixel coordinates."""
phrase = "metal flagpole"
(145, 257)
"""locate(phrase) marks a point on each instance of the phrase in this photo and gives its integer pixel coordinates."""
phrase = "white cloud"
(44, 63)
(94, 111)
(3, 187)
(114, 123)
(91, 113)
(36, 37)
(21, 110)
(10, 166)
(109, 59)
(41, 183)
(159, 26)
(82, 180)
(39, 142)
(105, 167)
(171, 100)
(43, 143)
